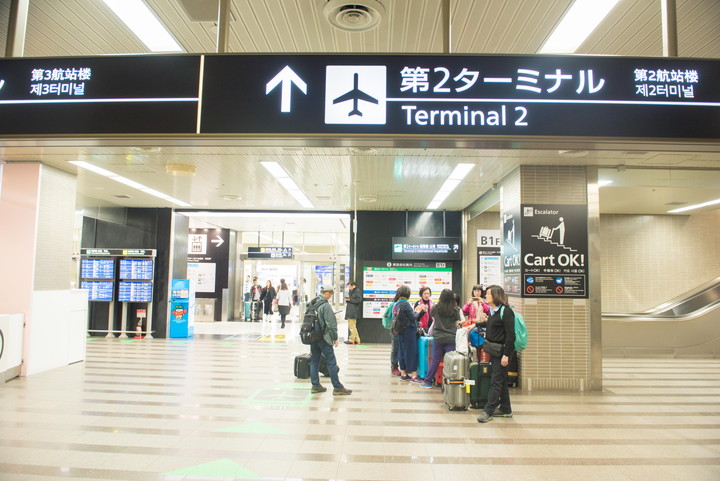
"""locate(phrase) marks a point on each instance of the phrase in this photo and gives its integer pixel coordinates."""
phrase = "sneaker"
(501, 414)
(484, 417)
(395, 371)
(416, 379)
(341, 391)
(317, 389)
(348, 342)
(404, 378)
(427, 385)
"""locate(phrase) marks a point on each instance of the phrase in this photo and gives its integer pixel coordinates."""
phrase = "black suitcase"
(302, 366)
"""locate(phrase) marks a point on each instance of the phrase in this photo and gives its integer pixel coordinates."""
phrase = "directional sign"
(218, 241)
(286, 78)
(462, 95)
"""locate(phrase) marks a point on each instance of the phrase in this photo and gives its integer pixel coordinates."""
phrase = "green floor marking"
(92, 338)
(228, 343)
(362, 346)
(222, 468)
(127, 340)
(281, 395)
(252, 428)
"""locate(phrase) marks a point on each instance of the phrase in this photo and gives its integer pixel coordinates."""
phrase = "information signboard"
(585, 96)
(98, 290)
(97, 268)
(426, 248)
(136, 269)
(554, 250)
(135, 291)
(270, 252)
(99, 95)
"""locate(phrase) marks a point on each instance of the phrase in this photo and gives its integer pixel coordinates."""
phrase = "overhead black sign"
(105, 95)
(426, 248)
(461, 95)
(270, 252)
(554, 250)
(571, 96)
(119, 252)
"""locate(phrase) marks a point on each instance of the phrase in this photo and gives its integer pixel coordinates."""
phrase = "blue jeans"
(499, 394)
(318, 349)
(408, 350)
(439, 351)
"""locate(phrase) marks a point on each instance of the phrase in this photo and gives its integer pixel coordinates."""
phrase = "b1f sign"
(489, 238)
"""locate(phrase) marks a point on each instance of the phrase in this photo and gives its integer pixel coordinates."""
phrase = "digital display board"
(98, 290)
(426, 248)
(383, 282)
(136, 269)
(270, 252)
(97, 268)
(99, 95)
(129, 291)
(586, 96)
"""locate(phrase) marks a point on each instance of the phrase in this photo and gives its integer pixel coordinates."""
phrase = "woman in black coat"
(267, 296)
(500, 330)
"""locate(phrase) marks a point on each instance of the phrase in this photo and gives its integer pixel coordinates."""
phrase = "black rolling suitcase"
(479, 389)
(302, 366)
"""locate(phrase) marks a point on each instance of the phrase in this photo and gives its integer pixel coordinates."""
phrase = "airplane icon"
(355, 95)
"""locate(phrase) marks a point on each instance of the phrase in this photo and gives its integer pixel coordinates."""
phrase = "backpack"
(396, 325)
(521, 334)
(388, 316)
(312, 330)
(476, 338)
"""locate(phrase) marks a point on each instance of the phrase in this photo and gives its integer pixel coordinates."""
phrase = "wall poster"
(381, 281)
(554, 250)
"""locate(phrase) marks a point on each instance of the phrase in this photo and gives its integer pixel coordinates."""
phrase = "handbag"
(493, 348)
(461, 340)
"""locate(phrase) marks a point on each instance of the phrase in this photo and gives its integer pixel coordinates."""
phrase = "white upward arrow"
(218, 241)
(287, 77)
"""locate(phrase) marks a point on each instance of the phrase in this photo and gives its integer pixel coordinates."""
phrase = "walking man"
(326, 345)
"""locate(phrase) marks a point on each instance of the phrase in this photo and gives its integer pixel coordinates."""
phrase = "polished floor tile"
(226, 405)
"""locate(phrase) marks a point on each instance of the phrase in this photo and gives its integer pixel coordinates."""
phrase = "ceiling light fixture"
(456, 176)
(143, 22)
(181, 170)
(277, 171)
(695, 206)
(130, 183)
(576, 26)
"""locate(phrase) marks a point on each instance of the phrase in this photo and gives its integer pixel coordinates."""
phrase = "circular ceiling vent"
(354, 16)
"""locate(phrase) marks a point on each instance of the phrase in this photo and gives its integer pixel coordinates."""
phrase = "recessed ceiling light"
(181, 170)
(146, 26)
(146, 150)
(363, 150)
(231, 197)
(367, 198)
(572, 153)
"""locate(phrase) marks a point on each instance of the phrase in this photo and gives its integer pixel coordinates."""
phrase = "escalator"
(686, 326)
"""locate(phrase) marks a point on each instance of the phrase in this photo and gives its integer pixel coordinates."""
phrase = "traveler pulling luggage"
(456, 380)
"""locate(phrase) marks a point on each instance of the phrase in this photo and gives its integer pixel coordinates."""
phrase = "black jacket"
(353, 309)
(501, 330)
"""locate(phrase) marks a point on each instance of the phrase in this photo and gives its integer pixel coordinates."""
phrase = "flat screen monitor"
(98, 290)
(97, 268)
(129, 291)
(140, 269)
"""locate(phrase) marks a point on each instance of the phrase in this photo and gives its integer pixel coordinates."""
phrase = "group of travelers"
(486, 309)
(266, 297)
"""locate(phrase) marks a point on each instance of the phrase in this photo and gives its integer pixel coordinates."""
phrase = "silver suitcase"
(456, 374)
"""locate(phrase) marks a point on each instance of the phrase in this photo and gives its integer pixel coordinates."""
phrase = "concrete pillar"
(547, 262)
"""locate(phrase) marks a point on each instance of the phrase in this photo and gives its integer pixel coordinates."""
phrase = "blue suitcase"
(425, 349)
(248, 311)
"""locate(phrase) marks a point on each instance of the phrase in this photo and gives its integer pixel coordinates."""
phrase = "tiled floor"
(225, 405)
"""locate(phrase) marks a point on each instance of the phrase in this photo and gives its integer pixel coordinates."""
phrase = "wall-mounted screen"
(98, 290)
(134, 291)
(97, 268)
(141, 269)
